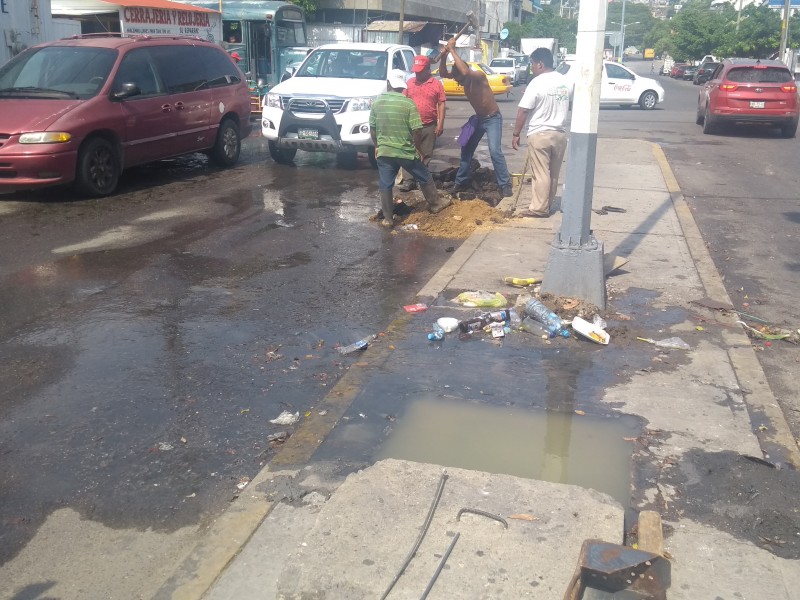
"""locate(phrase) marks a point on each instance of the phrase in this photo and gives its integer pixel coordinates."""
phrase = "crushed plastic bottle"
(437, 333)
(551, 321)
(357, 346)
(474, 324)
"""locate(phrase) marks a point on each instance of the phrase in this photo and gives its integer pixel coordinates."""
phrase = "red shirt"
(426, 96)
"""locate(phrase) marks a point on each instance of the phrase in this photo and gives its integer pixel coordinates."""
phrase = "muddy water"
(560, 447)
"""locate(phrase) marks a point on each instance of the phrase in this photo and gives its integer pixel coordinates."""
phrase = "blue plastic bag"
(468, 130)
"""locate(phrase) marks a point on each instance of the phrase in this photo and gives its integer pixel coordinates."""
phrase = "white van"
(325, 105)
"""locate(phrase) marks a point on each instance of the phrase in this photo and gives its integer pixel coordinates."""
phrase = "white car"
(506, 66)
(325, 105)
(621, 86)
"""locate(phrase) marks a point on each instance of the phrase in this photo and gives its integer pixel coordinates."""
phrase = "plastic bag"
(673, 342)
(481, 299)
(468, 130)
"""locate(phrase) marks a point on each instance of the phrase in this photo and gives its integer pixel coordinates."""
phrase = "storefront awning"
(90, 7)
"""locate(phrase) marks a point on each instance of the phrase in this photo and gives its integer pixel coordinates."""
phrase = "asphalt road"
(148, 338)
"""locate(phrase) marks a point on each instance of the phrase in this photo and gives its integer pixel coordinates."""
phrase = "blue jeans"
(388, 167)
(492, 126)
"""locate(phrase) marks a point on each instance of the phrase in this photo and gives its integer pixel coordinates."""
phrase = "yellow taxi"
(500, 84)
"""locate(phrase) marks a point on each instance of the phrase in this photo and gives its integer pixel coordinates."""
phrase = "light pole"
(622, 35)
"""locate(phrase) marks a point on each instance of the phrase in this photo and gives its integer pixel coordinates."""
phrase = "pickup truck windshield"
(345, 64)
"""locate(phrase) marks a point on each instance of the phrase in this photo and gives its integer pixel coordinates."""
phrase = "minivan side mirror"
(126, 90)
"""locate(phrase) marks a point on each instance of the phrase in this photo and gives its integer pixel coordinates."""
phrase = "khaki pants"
(545, 154)
(427, 143)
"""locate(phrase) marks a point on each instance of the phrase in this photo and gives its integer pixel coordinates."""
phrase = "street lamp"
(622, 33)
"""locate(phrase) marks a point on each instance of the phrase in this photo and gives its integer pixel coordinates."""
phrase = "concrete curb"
(763, 408)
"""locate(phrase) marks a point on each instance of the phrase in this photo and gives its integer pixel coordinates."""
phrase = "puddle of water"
(551, 446)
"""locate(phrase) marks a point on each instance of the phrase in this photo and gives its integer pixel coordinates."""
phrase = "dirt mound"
(457, 221)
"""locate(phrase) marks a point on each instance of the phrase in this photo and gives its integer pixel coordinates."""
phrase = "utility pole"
(739, 16)
(784, 29)
(400, 24)
(622, 32)
(575, 264)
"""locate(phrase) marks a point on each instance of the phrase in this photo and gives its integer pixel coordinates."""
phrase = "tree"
(309, 6)
(546, 23)
(759, 34)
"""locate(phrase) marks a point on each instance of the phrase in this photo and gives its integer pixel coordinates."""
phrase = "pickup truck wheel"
(280, 155)
(228, 145)
(98, 170)
(648, 100)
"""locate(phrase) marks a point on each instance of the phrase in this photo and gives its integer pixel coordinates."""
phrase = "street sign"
(615, 39)
(503, 33)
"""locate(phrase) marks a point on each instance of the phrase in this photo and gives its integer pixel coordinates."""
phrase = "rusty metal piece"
(483, 513)
(615, 568)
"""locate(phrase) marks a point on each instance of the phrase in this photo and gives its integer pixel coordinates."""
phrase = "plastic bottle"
(356, 346)
(472, 325)
(551, 321)
(437, 333)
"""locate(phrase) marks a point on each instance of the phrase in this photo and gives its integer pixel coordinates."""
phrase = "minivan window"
(759, 75)
(221, 71)
(181, 68)
(57, 72)
(137, 67)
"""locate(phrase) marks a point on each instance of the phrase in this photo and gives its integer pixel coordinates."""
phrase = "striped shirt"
(394, 117)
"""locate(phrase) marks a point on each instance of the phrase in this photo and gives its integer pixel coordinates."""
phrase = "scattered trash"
(524, 517)
(498, 330)
(286, 418)
(322, 413)
(614, 209)
(165, 446)
(278, 437)
(243, 483)
(590, 331)
(183, 440)
(481, 299)
(580, 413)
(437, 333)
(551, 321)
(408, 227)
(569, 304)
(768, 333)
(599, 322)
(522, 281)
(674, 343)
(357, 346)
(413, 308)
(449, 324)
(458, 217)
(244, 411)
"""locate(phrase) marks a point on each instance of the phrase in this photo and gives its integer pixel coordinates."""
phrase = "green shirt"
(394, 117)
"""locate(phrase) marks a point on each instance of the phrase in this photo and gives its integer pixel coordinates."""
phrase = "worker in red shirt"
(427, 93)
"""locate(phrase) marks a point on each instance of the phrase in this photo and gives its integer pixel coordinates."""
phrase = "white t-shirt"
(547, 97)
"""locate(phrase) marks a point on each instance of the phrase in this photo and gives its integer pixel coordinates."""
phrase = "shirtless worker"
(490, 121)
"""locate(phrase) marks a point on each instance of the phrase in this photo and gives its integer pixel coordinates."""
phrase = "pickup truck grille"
(312, 105)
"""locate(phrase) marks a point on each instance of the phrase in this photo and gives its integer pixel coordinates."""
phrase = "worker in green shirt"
(395, 126)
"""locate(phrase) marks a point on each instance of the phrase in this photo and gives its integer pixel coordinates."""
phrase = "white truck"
(325, 105)
(528, 45)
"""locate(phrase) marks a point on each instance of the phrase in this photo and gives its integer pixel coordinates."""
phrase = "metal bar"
(440, 567)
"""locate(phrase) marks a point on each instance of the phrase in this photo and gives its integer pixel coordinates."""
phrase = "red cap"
(235, 56)
(420, 62)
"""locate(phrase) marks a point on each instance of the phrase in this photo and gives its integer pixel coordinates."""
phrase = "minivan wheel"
(280, 155)
(648, 100)
(789, 130)
(97, 172)
(228, 145)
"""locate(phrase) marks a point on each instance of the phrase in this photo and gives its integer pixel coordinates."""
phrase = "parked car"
(677, 70)
(704, 73)
(81, 110)
(746, 90)
(500, 84)
(325, 105)
(689, 72)
(621, 86)
(524, 62)
(506, 66)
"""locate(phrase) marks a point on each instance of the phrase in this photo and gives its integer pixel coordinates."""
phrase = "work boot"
(407, 185)
(460, 187)
(435, 202)
(387, 204)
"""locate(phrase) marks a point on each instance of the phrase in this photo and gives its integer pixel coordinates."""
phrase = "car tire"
(228, 145)
(373, 161)
(648, 100)
(698, 118)
(709, 127)
(282, 156)
(789, 130)
(98, 169)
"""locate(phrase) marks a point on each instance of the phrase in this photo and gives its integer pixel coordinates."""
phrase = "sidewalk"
(308, 534)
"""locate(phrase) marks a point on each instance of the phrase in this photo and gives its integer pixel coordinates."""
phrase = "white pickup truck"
(325, 105)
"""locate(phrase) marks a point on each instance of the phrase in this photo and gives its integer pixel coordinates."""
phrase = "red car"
(81, 110)
(677, 70)
(747, 90)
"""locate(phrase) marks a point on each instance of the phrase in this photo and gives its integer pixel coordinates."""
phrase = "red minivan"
(81, 110)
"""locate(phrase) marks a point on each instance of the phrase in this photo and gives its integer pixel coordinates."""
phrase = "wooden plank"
(651, 536)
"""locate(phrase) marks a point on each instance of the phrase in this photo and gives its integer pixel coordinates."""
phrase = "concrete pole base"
(586, 259)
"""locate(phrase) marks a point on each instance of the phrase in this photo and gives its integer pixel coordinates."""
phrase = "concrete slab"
(365, 531)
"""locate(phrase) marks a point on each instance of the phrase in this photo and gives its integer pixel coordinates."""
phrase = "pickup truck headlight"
(45, 137)
(272, 101)
(361, 103)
